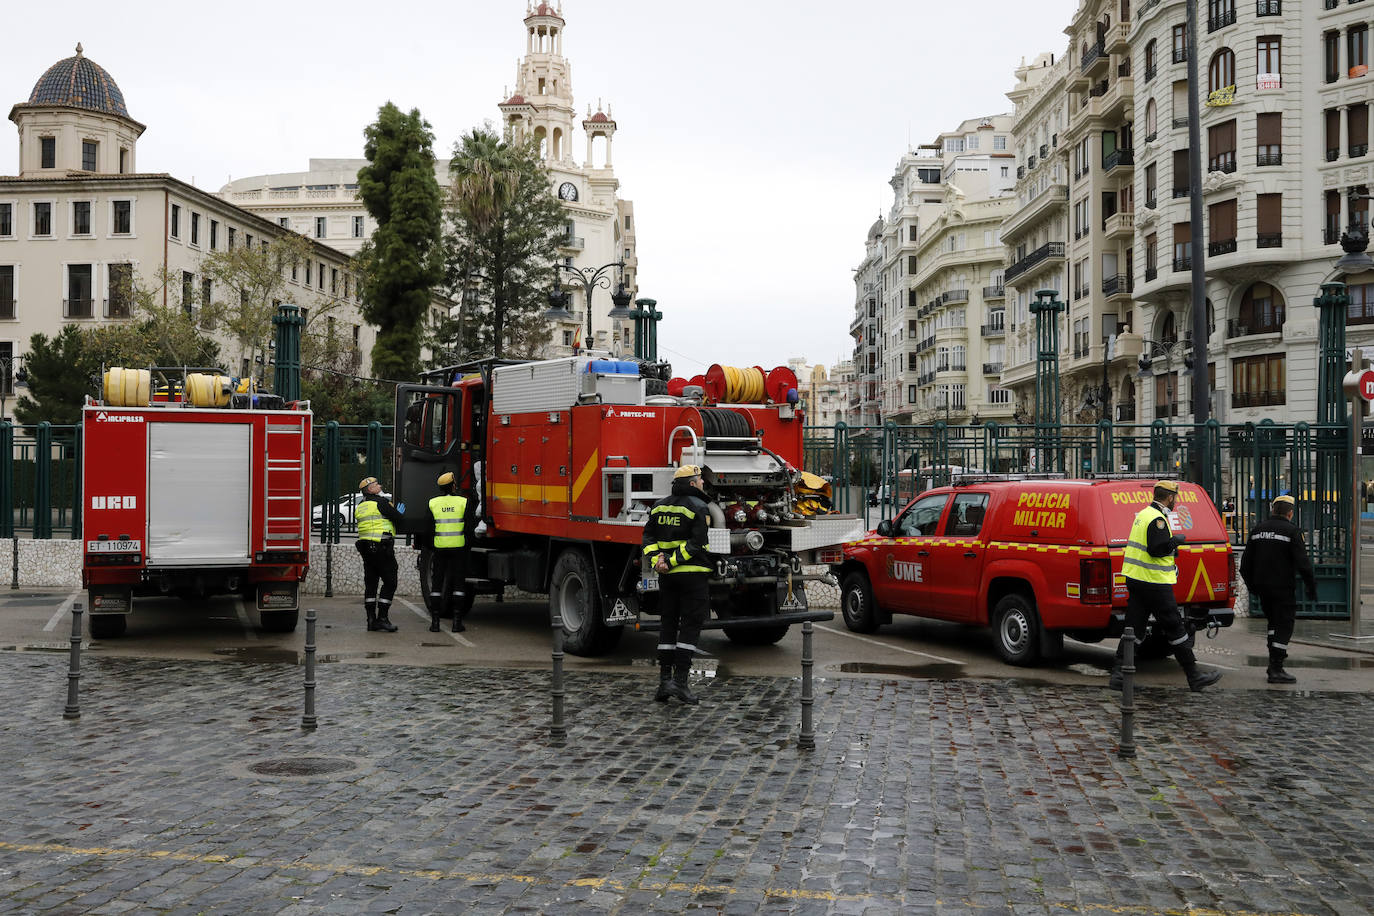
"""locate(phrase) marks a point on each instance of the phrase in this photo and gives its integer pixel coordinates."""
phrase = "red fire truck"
(190, 489)
(568, 456)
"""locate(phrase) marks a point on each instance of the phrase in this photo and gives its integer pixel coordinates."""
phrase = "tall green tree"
(403, 261)
(505, 225)
(61, 370)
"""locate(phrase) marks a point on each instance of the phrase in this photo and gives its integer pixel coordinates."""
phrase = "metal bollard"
(1127, 748)
(557, 731)
(328, 568)
(73, 708)
(308, 720)
(14, 574)
(807, 739)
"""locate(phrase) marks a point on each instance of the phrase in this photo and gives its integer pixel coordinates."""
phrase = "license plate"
(114, 546)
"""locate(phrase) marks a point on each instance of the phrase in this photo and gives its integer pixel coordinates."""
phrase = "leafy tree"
(348, 400)
(60, 371)
(163, 331)
(505, 228)
(402, 262)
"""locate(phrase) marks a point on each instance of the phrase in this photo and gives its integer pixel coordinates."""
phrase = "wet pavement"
(189, 787)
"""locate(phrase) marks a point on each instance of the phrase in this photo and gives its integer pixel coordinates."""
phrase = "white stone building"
(79, 218)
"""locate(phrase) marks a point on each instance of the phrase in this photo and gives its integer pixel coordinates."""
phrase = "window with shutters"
(1258, 381)
(1261, 310)
(1183, 240)
(1331, 55)
(1357, 50)
(1331, 232)
(1221, 228)
(1269, 221)
(1361, 303)
(1180, 104)
(1267, 54)
(1221, 147)
(1357, 125)
(1221, 72)
(1359, 208)
(1181, 182)
(1180, 39)
(1150, 186)
(1151, 257)
(1166, 395)
(121, 286)
(1151, 121)
(1269, 138)
(1333, 134)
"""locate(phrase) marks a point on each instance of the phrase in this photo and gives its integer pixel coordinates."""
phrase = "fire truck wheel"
(279, 621)
(1017, 626)
(572, 594)
(856, 603)
(108, 626)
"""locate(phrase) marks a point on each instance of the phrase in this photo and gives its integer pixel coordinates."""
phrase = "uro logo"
(114, 502)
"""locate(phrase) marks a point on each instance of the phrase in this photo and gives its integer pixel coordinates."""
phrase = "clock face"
(567, 191)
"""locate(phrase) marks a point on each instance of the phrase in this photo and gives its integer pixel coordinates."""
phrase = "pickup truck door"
(902, 582)
(956, 558)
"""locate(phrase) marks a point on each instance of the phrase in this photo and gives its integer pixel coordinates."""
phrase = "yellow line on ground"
(610, 884)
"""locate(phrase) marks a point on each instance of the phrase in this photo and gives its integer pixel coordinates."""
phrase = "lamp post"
(1165, 350)
(591, 278)
(646, 318)
(11, 376)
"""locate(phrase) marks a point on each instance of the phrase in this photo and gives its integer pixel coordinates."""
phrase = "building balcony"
(1117, 102)
(1150, 72)
(1267, 159)
(1180, 55)
(1150, 201)
(1179, 123)
(1118, 40)
(954, 295)
(1183, 263)
(1056, 195)
(1268, 8)
(992, 368)
(1151, 272)
(1221, 21)
(1258, 398)
(78, 308)
(1222, 162)
(1094, 61)
(1044, 256)
(1118, 158)
(994, 292)
(1031, 163)
(1358, 149)
(1269, 240)
(1077, 81)
(1120, 225)
(1118, 287)
(996, 329)
(1218, 248)
(1272, 325)
(571, 242)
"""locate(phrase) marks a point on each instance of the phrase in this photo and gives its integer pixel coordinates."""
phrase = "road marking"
(244, 619)
(62, 608)
(424, 615)
(874, 642)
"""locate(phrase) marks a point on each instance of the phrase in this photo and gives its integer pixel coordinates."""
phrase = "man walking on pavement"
(675, 544)
(1274, 557)
(1150, 570)
(448, 573)
(377, 518)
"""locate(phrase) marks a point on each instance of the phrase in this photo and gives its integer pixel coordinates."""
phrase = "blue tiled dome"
(78, 82)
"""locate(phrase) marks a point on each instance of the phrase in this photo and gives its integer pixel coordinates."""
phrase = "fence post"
(374, 450)
(7, 526)
(42, 481)
(78, 443)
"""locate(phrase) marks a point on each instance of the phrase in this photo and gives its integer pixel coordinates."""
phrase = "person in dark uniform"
(675, 544)
(1151, 572)
(1274, 557)
(377, 519)
(448, 514)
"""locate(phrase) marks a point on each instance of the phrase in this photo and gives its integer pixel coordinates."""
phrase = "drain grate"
(302, 766)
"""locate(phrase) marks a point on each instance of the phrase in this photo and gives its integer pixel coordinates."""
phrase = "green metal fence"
(875, 470)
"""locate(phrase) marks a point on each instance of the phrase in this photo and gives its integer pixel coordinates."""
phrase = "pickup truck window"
(922, 517)
(966, 516)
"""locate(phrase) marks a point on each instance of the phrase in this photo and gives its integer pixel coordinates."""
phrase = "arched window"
(1151, 118)
(1261, 310)
(1168, 332)
(1221, 72)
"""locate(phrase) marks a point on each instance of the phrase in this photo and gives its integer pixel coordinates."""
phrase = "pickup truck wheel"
(573, 595)
(1017, 627)
(279, 621)
(108, 626)
(856, 603)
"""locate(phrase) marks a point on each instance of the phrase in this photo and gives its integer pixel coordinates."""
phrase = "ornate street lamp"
(591, 278)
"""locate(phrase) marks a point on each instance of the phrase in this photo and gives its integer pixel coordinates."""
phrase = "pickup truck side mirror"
(884, 528)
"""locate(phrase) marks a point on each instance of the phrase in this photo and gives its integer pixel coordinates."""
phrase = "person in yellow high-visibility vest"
(377, 518)
(448, 580)
(1150, 571)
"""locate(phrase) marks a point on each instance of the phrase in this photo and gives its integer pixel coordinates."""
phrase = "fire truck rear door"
(199, 492)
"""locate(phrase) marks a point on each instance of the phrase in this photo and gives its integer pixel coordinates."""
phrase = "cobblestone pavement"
(922, 796)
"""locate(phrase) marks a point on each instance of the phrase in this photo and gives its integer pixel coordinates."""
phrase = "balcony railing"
(994, 292)
(1118, 157)
(993, 330)
(1225, 246)
(571, 241)
(1030, 163)
(1333, 153)
(1180, 55)
(1181, 192)
(1091, 56)
(1220, 22)
(954, 295)
(1358, 149)
(992, 368)
(1273, 324)
(1125, 413)
(1151, 203)
(1258, 398)
(1332, 4)
(1330, 235)
(1020, 171)
(1222, 162)
(1151, 273)
(1269, 240)
(1268, 8)
(1264, 159)
(1120, 284)
(1182, 264)
(1150, 72)
(117, 307)
(1048, 250)
(78, 308)
(1179, 123)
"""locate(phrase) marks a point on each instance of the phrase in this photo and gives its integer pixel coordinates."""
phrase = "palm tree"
(486, 178)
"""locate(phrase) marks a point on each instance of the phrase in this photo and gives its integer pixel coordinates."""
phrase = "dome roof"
(78, 82)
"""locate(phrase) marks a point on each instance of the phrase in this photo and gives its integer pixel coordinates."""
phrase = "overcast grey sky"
(755, 139)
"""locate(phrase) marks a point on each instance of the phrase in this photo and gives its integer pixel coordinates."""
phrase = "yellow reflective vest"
(372, 524)
(448, 511)
(1137, 563)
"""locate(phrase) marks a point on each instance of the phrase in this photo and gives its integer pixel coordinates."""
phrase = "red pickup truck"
(1036, 560)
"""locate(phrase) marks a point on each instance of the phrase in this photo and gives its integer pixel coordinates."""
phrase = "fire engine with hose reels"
(192, 485)
(567, 456)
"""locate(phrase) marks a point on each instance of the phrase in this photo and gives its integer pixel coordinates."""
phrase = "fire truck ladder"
(285, 489)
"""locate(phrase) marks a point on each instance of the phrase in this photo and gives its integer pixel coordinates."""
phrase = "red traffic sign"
(1367, 384)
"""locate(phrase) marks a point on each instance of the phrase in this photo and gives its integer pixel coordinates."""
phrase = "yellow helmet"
(687, 471)
(366, 482)
(445, 478)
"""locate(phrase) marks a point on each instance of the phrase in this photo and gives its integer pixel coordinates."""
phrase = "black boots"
(458, 625)
(665, 681)
(1199, 679)
(433, 623)
(371, 608)
(1275, 671)
(678, 686)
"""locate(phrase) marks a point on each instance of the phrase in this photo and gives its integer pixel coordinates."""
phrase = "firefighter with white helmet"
(377, 518)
